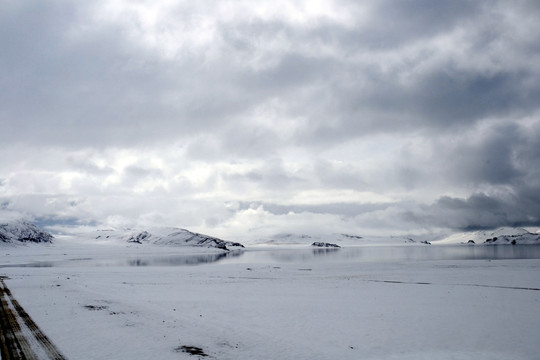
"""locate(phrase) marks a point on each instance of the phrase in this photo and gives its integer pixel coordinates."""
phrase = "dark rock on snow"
(323, 244)
(138, 238)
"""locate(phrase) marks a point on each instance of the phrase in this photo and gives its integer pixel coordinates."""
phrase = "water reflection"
(181, 260)
(307, 255)
(167, 260)
(325, 251)
(37, 264)
(398, 253)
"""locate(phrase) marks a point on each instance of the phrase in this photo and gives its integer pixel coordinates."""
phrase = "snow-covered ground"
(266, 309)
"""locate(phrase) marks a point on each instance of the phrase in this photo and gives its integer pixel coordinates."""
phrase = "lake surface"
(311, 255)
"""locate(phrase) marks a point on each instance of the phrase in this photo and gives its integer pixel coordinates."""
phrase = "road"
(20, 337)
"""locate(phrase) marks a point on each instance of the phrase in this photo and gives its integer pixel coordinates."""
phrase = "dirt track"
(20, 337)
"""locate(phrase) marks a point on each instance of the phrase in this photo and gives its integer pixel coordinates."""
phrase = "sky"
(251, 118)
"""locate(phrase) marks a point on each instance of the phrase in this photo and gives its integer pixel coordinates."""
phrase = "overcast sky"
(248, 118)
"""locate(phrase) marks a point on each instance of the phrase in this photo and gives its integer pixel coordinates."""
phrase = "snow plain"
(271, 309)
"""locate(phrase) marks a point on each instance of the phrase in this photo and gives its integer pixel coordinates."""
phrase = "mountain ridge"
(19, 231)
(165, 236)
(499, 236)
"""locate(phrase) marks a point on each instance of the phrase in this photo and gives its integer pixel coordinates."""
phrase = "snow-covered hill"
(22, 232)
(161, 236)
(500, 236)
(336, 238)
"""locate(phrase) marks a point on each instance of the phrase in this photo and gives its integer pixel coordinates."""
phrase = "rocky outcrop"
(186, 237)
(325, 245)
(140, 237)
(23, 232)
(208, 241)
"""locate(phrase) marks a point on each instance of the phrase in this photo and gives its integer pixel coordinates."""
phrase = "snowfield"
(272, 309)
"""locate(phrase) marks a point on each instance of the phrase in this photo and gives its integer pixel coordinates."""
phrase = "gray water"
(400, 253)
(313, 255)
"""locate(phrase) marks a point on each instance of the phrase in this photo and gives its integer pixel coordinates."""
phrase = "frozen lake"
(265, 255)
(370, 302)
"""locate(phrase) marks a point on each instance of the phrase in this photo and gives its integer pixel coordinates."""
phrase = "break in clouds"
(250, 118)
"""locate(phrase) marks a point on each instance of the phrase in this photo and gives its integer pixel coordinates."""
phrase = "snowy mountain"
(164, 236)
(21, 231)
(335, 238)
(500, 236)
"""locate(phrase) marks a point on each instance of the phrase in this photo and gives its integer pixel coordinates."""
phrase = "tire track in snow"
(20, 337)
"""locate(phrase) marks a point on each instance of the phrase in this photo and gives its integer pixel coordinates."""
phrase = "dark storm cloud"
(367, 96)
(448, 100)
(487, 158)
(453, 97)
(395, 23)
(508, 160)
(481, 211)
(489, 76)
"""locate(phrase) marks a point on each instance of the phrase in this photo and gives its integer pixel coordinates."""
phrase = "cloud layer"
(250, 118)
